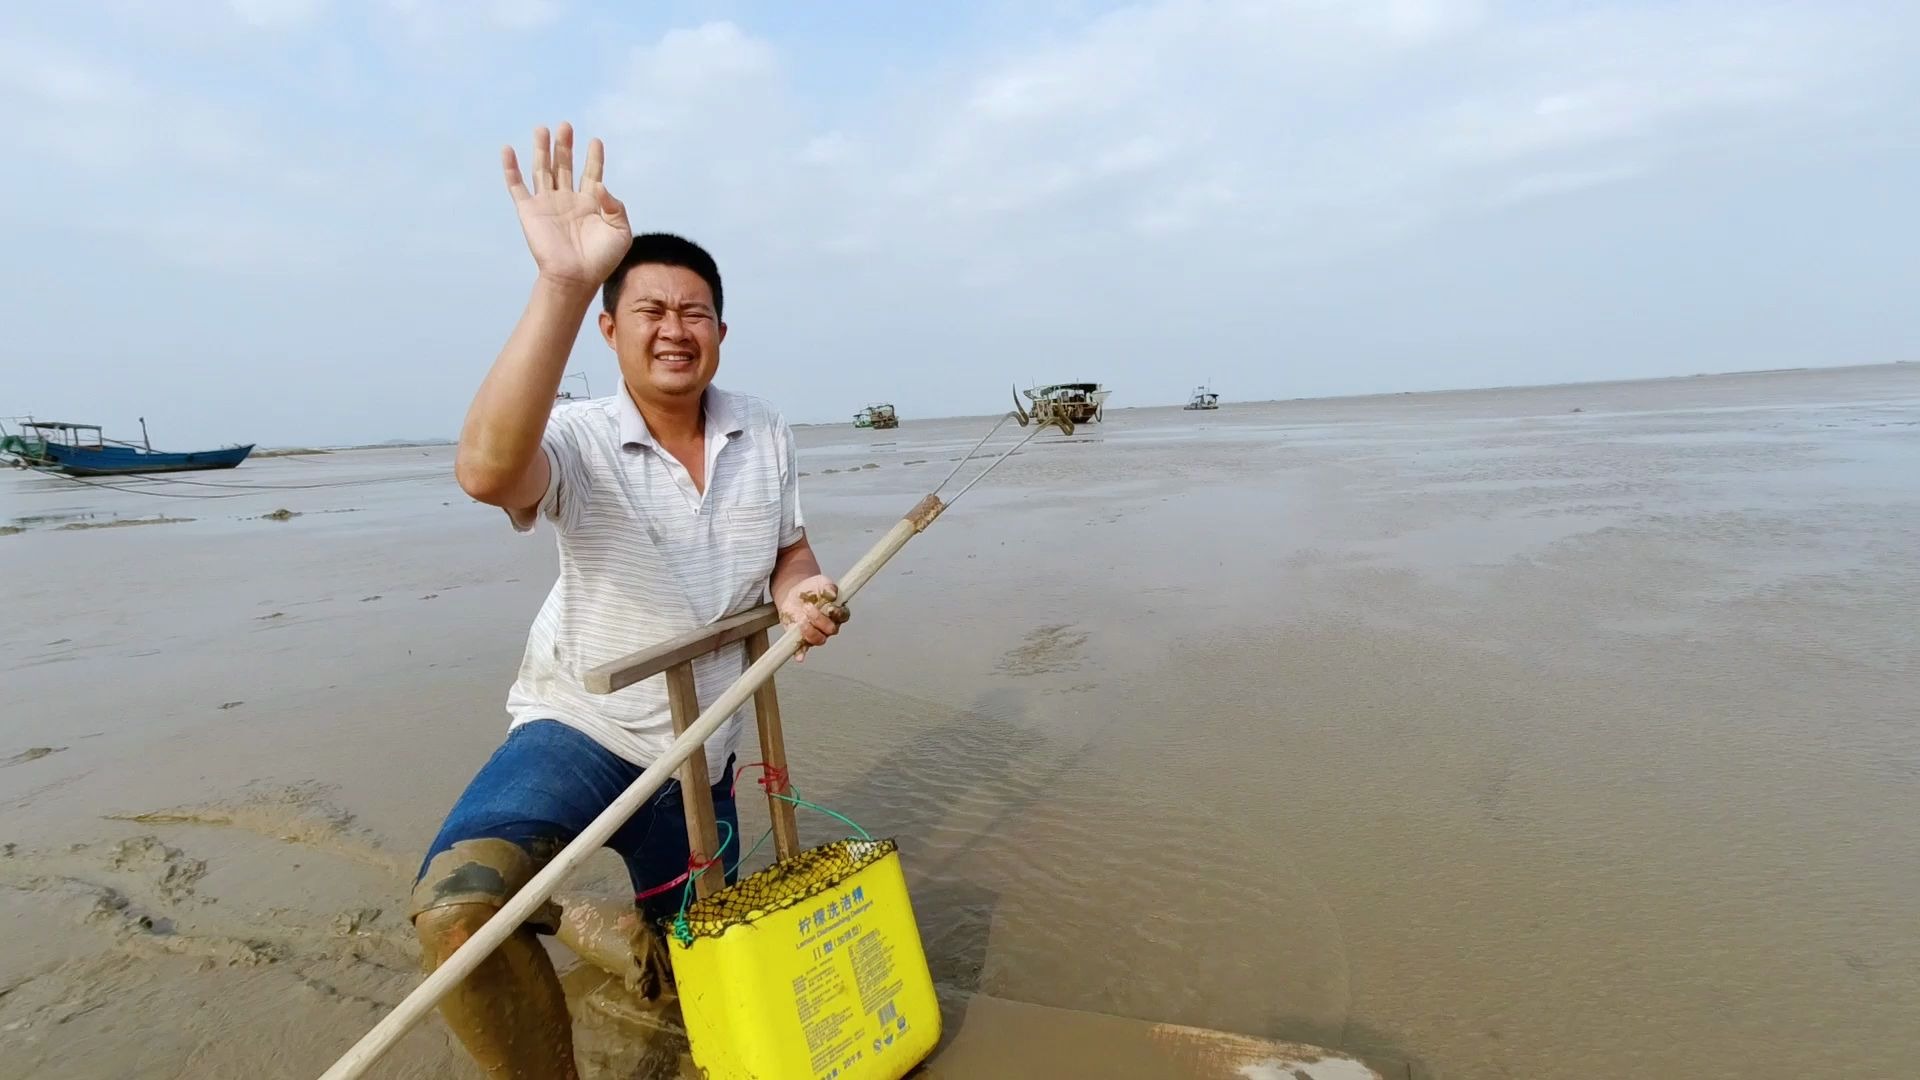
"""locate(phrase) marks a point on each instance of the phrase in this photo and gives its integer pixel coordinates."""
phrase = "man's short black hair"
(664, 249)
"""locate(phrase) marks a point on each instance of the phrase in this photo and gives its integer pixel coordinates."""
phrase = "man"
(676, 504)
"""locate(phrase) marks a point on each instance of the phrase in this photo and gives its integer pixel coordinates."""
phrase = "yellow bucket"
(811, 969)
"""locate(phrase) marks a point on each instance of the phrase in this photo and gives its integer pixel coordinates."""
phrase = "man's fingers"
(516, 185)
(542, 162)
(563, 157)
(596, 162)
(611, 208)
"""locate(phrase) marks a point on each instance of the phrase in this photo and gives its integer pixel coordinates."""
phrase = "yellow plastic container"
(811, 969)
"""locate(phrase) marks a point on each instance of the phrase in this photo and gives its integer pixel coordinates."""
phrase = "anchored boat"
(876, 416)
(81, 450)
(586, 393)
(1078, 402)
(1202, 398)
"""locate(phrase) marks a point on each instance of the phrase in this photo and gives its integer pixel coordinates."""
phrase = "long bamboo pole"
(415, 1006)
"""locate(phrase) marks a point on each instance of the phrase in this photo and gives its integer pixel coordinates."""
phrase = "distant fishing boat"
(1080, 402)
(568, 395)
(1202, 398)
(81, 450)
(876, 416)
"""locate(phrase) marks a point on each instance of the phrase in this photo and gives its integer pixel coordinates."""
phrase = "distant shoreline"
(400, 444)
(1388, 394)
(305, 451)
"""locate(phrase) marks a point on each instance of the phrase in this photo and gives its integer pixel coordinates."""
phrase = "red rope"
(773, 780)
(640, 897)
(697, 864)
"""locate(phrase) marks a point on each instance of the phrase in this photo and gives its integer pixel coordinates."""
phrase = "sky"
(282, 221)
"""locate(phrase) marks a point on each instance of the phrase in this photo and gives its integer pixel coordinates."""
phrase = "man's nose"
(673, 326)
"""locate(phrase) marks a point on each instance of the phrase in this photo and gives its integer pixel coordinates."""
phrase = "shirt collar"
(717, 405)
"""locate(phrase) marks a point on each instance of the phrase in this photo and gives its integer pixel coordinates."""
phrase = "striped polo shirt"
(644, 556)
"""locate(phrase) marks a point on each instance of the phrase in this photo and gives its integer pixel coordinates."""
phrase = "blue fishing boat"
(81, 450)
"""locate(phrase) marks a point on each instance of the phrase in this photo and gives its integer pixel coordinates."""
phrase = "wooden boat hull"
(122, 461)
(1080, 403)
(876, 416)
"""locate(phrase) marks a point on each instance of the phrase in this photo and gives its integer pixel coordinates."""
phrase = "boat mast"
(144, 441)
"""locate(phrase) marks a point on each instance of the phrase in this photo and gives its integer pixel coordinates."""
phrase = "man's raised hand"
(577, 237)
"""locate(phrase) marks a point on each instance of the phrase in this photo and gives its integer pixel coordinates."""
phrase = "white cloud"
(713, 80)
(275, 13)
(1031, 195)
(52, 79)
(522, 14)
(449, 23)
(1566, 181)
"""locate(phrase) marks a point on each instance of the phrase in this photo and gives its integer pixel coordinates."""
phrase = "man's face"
(665, 331)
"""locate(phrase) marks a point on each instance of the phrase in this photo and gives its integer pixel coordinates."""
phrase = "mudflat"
(1550, 732)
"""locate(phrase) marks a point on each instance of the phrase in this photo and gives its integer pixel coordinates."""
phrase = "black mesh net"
(783, 885)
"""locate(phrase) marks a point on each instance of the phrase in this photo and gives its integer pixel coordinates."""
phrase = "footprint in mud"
(167, 868)
(1077, 688)
(302, 814)
(225, 705)
(915, 461)
(1046, 650)
(31, 753)
(431, 596)
(356, 921)
(271, 615)
(369, 599)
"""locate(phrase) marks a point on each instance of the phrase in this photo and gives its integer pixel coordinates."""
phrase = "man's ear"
(723, 332)
(606, 327)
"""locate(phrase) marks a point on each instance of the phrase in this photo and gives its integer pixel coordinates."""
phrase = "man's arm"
(499, 460)
(577, 238)
(804, 596)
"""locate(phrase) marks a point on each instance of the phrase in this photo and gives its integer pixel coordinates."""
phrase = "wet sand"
(1467, 732)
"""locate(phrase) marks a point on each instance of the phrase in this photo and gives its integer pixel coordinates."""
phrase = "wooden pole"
(653, 660)
(773, 751)
(416, 1006)
(696, 788)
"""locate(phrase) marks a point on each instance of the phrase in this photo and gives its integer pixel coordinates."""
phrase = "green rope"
(756, 847)
(680, 928)
(814, 806)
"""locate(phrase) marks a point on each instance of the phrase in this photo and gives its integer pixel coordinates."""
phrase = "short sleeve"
(567, 476)
(793, 523)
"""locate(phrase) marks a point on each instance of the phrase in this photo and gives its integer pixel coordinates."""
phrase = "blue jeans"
(547, 782)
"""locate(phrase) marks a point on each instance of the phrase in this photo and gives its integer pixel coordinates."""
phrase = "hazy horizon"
(447, 440)
(281, 221)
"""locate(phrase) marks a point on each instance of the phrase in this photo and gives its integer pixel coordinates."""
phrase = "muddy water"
(1469, 732)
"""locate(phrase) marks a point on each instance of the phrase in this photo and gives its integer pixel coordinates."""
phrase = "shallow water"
(1464, 731)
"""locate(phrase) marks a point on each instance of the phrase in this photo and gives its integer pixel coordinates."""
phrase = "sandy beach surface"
(1569, 732)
